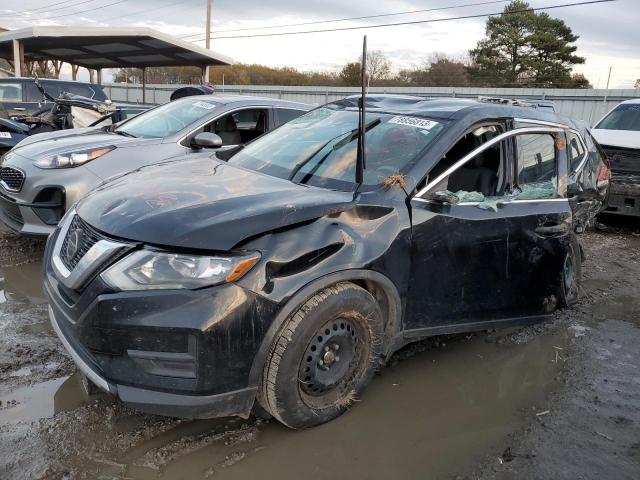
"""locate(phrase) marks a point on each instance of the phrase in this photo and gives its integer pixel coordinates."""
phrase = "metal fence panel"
(587, 104)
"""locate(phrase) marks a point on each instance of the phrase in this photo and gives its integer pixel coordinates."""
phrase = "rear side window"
(79, 89)
(285, 115)
(536, 159)
(575, 151)
(52, 88)
(33, 94)
(11, 92)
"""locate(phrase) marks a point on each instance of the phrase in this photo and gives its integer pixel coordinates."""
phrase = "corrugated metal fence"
(587, 105)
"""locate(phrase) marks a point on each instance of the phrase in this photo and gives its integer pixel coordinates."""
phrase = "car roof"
(245, 100)
(634, 100)
(450, 108)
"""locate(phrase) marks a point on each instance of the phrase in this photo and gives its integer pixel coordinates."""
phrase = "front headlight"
(72, 159)
(148, 270)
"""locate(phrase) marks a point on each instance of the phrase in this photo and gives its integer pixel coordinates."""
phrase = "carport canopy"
(103, 47)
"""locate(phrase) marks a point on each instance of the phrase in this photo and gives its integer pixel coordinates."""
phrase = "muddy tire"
(571, 277)
(324, 355)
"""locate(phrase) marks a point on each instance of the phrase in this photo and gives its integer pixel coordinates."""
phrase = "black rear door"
(497, 259)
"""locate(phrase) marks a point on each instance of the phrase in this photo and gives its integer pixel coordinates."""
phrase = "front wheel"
(323, 357)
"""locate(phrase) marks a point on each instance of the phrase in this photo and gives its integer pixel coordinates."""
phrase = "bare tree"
(378, 66)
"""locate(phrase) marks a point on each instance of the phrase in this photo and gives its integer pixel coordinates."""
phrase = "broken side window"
(536, 174)
(482, 175)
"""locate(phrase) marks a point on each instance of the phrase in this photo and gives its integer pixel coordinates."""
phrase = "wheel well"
(387, 306)
(378, 285)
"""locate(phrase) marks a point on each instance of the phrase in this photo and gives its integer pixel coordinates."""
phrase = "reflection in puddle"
(41, 400)
(22, 283)
(432, 415)
(427, 417)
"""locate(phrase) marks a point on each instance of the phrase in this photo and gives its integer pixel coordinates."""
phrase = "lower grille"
(11, 178)
(79, 239)
(11, 210)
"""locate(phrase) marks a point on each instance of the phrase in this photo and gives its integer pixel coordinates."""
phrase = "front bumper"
(624, 196)
(175, 353)
(33, 219)
(238, 402)
(44, 196)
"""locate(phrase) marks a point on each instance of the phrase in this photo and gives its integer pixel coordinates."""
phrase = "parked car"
(45, 174)
(192, 90)
(20, 96)
(67, 112)
(194, 288)
(619, 134)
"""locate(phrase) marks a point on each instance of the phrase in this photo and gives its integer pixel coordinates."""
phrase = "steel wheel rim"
(333, 386)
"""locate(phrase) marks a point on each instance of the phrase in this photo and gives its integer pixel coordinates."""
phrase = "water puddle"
(22, 284)
(430, 416)
(41, 400)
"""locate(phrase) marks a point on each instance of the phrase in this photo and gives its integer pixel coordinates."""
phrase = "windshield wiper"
(345, 141)
(124, 134)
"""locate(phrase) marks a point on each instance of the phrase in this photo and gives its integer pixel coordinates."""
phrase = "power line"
(49, 10)
(50, 5)
(172, 4)
(414, 22)
(85, 11)
(478, 4)
(76, 12)
(28, 13)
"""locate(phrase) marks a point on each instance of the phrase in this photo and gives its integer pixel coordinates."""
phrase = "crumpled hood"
(203, 204)
(48, 144)
(617, 138)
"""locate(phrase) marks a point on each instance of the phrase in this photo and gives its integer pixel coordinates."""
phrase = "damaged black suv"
(194, 288)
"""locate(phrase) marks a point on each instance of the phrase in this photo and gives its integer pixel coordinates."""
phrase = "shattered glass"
(531, 191)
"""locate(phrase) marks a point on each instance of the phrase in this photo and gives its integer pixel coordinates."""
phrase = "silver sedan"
(44, 175)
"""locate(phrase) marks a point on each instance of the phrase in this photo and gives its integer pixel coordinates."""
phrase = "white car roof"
(635, 100)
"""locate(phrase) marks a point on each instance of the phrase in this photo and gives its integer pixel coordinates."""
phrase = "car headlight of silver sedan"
(149, 270)
(72, 159)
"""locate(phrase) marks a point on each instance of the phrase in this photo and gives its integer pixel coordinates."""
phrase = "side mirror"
(206, 140)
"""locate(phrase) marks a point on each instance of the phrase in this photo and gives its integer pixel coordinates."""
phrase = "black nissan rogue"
(194, 288)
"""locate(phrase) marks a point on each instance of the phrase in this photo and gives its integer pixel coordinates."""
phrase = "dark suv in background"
(20, 96)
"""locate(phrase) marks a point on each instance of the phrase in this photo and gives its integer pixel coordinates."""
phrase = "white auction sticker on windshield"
(414, 122)
(5, 135)
(205, 105)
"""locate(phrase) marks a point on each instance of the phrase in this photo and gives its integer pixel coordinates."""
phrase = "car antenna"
(361, 159)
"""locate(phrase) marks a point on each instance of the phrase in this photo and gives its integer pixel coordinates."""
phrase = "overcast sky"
(609, 33)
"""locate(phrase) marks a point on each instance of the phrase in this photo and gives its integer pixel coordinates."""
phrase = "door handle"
(551, 230)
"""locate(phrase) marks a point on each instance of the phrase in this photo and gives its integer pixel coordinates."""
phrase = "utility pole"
(609, 78)
(208, 40)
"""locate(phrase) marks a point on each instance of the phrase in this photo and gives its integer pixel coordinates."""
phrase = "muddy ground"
(552, 401)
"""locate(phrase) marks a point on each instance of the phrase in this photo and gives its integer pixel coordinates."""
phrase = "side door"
(12, 97)
(34, 100)
(494, 254)
(235, 128)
